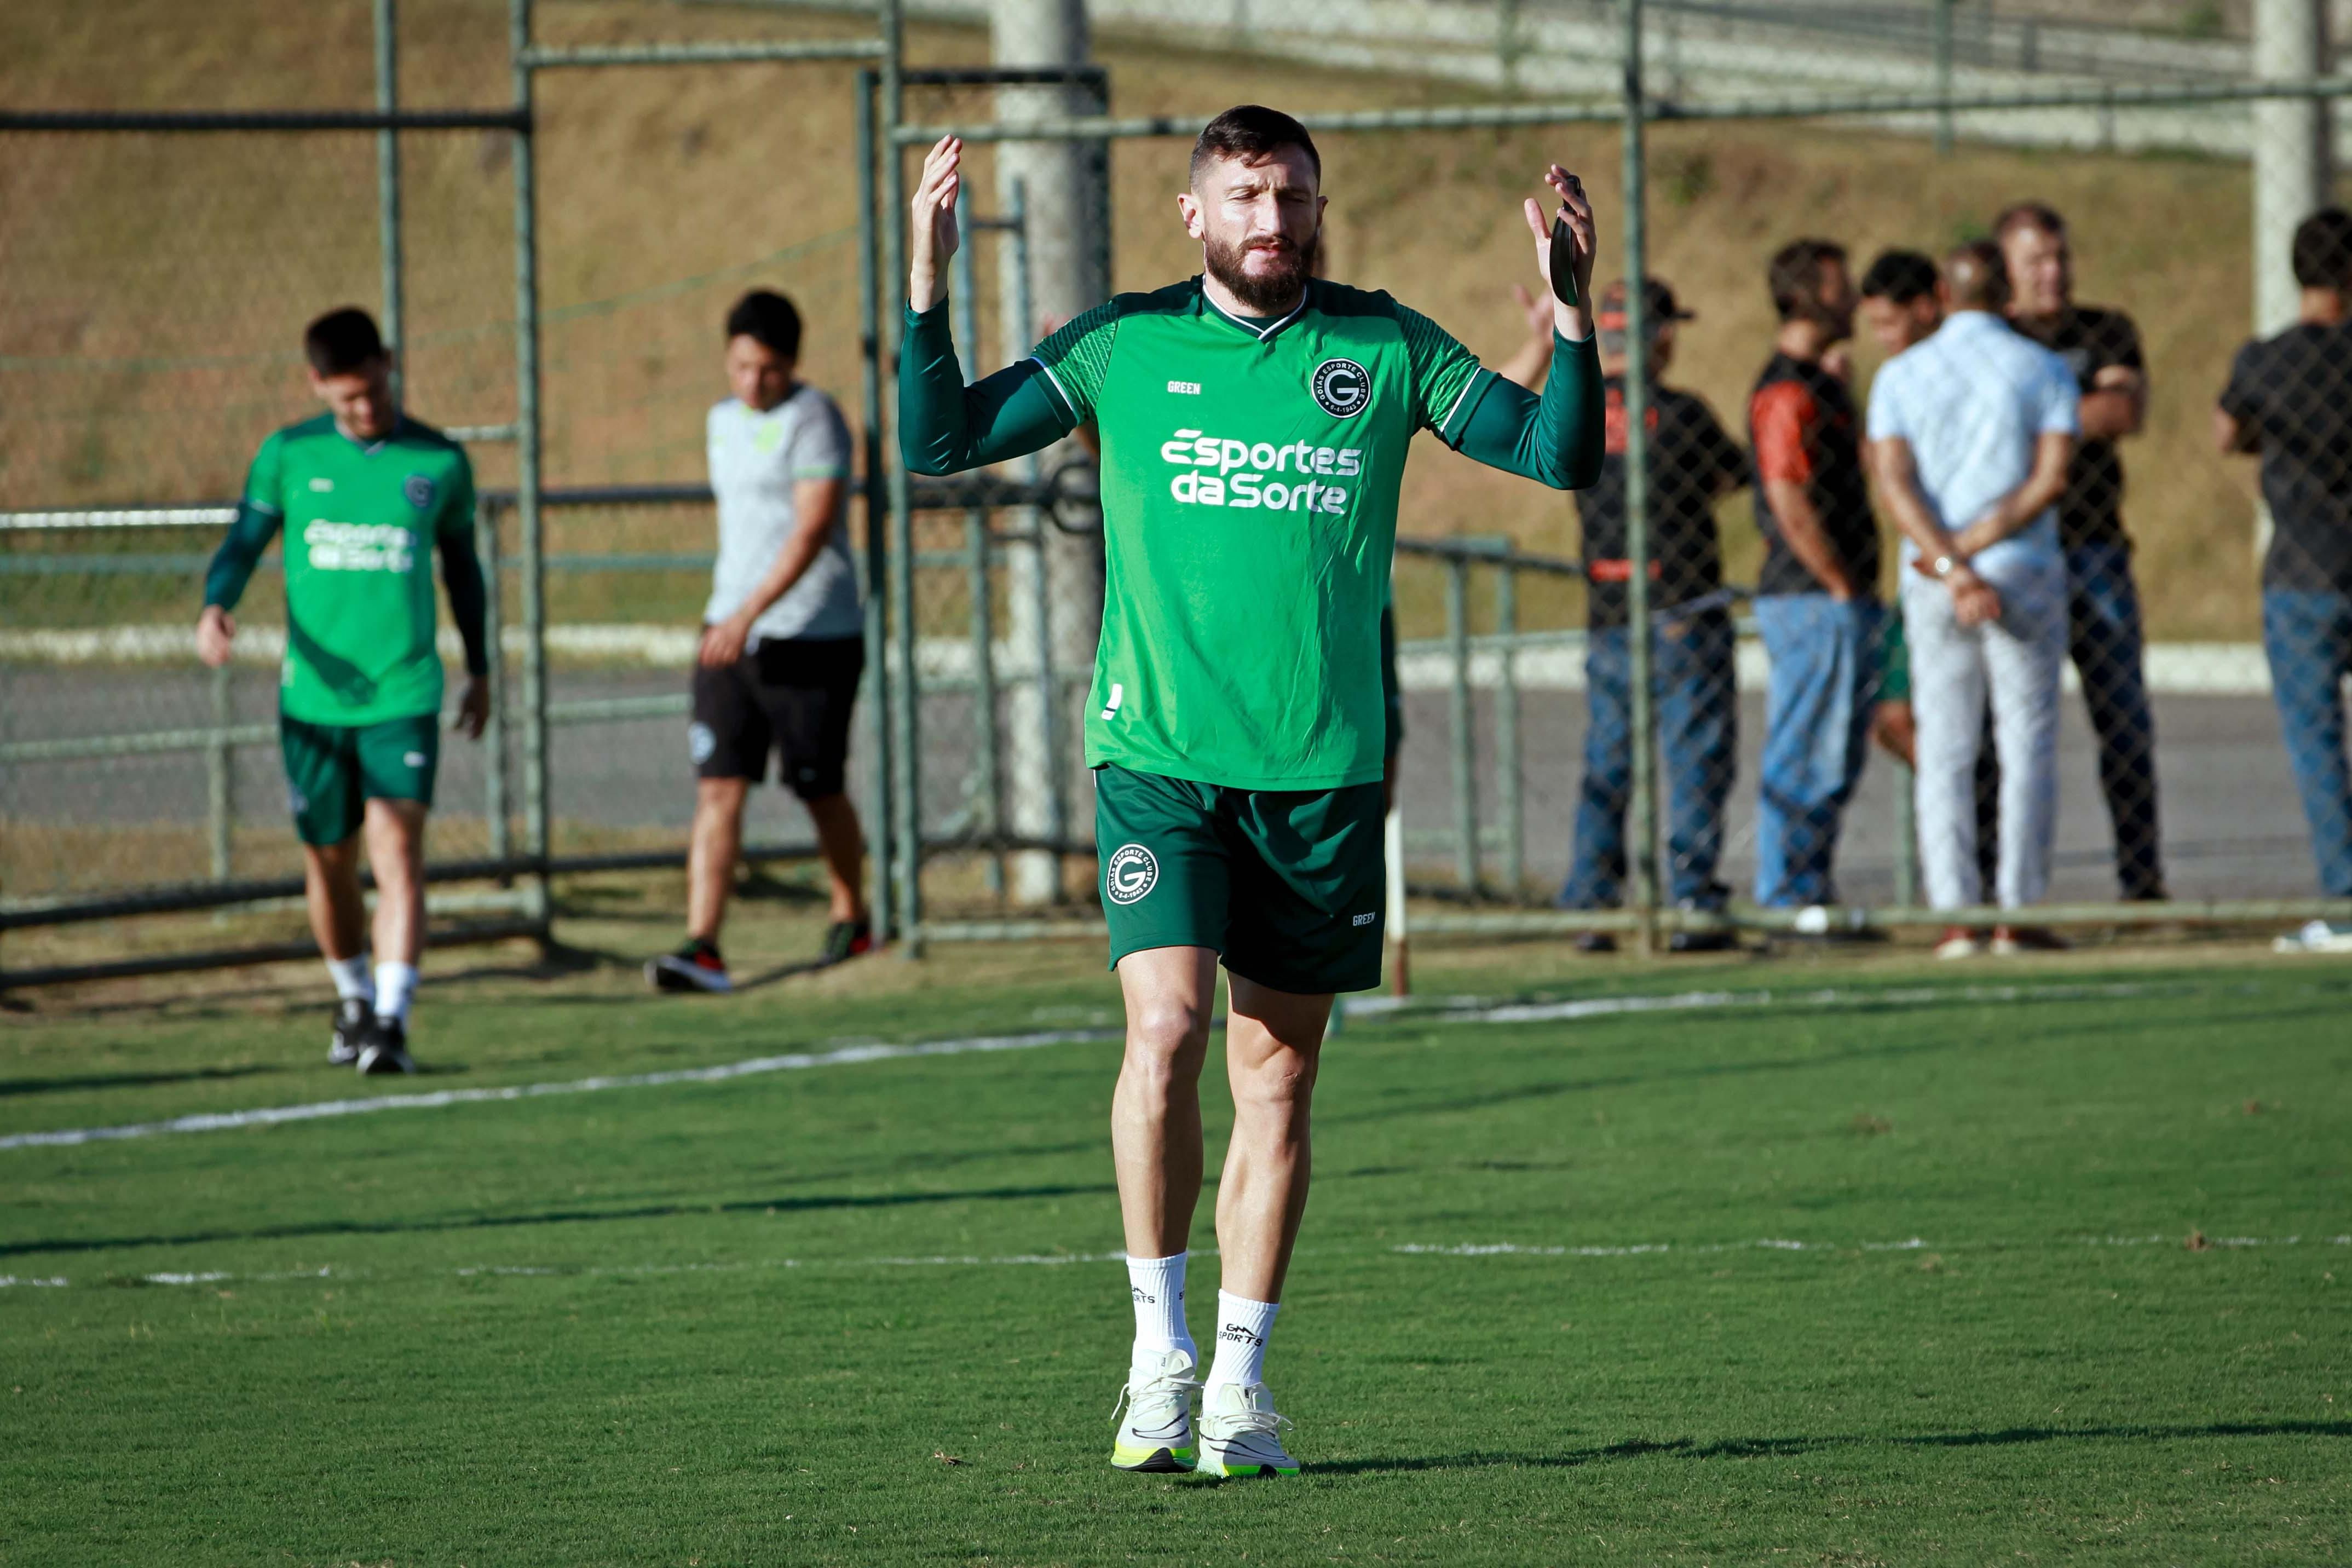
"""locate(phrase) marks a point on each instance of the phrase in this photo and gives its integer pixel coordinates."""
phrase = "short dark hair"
(768, 318)
(1978, 276)
(1252, 134)
(341, 341)
(2323, 249)
(2027, 214)
(1901, 276)
(1795, 275)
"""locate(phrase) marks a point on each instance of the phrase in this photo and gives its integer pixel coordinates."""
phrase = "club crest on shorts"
(1132, 873)
(418, 489)
(1341, 387)
(701, 742)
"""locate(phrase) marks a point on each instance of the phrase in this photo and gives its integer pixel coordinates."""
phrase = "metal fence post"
(220, 775)
(1944, 77)
(1466, 740)
(495, 806)
(905, 712)
(537, 833)
(1638, 631)
(987, 798)
(1049, 681)
(1506, 731)
(387, 180)
(881, 824)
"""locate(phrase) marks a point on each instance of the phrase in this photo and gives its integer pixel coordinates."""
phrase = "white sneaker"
(1959, 943)
(2317, 936)
(1240, 1433)
(1155, 1437)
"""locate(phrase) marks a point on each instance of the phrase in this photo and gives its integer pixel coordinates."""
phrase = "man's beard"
(1267, 292)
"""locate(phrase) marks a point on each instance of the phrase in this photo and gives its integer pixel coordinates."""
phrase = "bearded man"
(1254, 423)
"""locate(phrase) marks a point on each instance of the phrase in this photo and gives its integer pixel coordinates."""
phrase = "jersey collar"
(1262, 330)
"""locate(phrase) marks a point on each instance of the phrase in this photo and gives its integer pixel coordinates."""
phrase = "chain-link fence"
(1752, 756)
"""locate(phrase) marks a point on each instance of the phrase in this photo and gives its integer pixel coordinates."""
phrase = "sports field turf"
(1896, 1275)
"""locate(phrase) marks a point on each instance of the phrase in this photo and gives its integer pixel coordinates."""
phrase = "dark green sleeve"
(1558, 438)
(257, 517)
(945, 427)
(461, 571)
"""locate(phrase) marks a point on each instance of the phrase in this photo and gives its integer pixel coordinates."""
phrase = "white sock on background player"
(1243, 1328)
(352, 978)
(395, 984)
(1158, 1286)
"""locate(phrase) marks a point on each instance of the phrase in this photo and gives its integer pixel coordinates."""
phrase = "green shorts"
(332, 770)
(1289, 885)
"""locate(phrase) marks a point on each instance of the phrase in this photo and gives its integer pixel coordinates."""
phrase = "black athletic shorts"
(789, 695)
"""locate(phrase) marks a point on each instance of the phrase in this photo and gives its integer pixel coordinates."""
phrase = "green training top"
(361, 523)
(1250, 473)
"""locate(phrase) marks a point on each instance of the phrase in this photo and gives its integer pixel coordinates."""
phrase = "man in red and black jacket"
(1691, 464)
(1817, 595)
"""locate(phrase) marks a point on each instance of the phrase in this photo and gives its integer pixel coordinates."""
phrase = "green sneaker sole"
(1154, 1462)
(1241, 1472)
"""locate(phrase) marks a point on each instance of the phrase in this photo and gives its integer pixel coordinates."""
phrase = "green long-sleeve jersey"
(362, 521)
(1250, 474)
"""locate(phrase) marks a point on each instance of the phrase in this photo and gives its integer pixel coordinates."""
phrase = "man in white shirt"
(782, 640)
(1971, 430)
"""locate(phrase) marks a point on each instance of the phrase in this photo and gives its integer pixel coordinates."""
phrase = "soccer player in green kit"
(1253, 425)
(365, 495)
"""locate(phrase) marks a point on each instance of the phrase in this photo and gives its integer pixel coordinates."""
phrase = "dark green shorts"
(1289, 885)
(332, 770)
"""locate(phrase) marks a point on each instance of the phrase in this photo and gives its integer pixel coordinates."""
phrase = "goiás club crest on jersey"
(1132, 873)
(418, 489)
(1341, 387)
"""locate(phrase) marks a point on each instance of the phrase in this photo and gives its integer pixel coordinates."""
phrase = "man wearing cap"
(1692, 463)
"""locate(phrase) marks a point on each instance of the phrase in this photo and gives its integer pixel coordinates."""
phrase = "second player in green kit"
(1254, 423)
(361, 497)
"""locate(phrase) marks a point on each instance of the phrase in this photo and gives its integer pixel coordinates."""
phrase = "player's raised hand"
(215, 630)
(1571, 321)
(933, 237)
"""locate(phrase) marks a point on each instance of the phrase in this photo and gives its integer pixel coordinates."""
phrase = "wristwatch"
(1942, 565)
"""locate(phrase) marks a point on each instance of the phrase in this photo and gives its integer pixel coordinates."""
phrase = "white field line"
(1062, 1259)
(271, 1116)
(1463, 1012)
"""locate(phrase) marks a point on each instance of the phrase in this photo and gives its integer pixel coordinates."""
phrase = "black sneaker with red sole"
(845, 940)
(695, 966)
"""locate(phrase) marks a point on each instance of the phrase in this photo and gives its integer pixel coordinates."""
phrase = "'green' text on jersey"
(1250, 473)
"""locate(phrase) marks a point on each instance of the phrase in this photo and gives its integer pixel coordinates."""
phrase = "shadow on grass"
(1782, 1447)
(16, 1086)
(560, 1217)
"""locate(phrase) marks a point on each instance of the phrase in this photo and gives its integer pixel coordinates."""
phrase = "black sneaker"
(1595, 941)
(386, 1048)
(353, 1016)
(1703, 942)
(695, 966)
(845, 940)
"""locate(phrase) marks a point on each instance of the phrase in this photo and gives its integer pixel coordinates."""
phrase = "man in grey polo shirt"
(1971, 430)
(782, 640)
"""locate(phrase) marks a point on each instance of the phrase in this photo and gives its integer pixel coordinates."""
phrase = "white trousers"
(2016, 663)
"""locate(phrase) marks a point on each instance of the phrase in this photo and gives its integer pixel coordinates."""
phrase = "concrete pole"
(2291, 150)
(1064, 204)
(2292, 177)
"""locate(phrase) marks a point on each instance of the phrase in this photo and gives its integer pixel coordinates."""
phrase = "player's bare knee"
(1168, 1038)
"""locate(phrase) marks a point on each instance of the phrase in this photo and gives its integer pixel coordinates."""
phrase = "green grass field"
(1896, 1274)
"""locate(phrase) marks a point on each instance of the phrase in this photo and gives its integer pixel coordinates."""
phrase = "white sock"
(1242, 1326)
(395, 984)
(1158, 1286)
(352, 978)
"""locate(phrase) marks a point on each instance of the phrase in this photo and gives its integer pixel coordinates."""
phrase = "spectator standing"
(1971, 433)
(1691, 464)
(2289, 400)
(1817, 595)
(1901, 305)
(2104, 638)
(783, 646)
